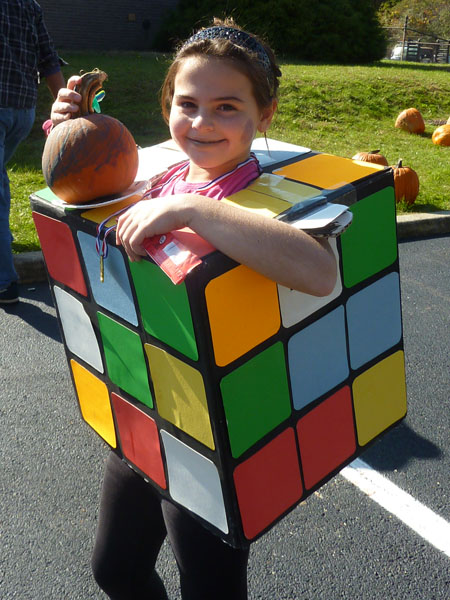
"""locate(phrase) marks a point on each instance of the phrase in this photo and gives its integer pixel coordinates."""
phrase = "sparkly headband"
(236, 37)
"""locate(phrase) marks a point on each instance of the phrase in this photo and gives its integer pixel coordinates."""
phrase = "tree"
(330, 30)
(426, 16)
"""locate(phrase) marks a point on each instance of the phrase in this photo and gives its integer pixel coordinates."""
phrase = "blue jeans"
(15, 125)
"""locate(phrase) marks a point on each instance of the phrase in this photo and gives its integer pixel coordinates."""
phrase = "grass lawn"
(329, 108)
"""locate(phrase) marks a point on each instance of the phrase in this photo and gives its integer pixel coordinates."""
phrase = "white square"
(296, 306)
(77, 327)
(194, 481)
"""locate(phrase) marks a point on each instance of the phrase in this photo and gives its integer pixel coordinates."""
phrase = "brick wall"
(104, 24)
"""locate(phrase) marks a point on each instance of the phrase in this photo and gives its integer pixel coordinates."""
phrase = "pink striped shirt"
(173, 182)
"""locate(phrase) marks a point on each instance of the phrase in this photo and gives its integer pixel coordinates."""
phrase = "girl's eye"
(187, 104)
(226, 107)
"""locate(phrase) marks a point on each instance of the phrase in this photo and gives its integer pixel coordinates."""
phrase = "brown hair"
(263, 77)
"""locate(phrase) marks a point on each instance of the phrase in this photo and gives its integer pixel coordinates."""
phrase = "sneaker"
(10, 294)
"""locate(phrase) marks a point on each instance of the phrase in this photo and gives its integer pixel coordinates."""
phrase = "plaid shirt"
(26, 53)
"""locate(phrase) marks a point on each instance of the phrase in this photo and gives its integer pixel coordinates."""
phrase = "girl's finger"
(73, 81)
(124, 231)
(61, 106)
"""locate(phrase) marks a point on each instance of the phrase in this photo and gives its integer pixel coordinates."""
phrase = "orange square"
(243, 311)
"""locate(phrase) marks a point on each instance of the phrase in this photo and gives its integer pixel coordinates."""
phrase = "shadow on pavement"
(398, 447)
(32, 314)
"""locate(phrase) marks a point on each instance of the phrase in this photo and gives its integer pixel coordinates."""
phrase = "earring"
(267, 144)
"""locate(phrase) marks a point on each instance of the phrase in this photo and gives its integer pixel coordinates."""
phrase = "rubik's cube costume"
(235, 397)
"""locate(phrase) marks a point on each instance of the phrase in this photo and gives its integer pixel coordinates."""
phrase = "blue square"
(374, 320)
(315, 366)
(114, 293)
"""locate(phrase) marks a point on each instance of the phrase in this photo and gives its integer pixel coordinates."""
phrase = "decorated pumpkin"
(91, 155)
(373, 156)
(441, 135)
(406, 183)
(410, 120)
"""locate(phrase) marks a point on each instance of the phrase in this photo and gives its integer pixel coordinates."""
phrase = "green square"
(256, 398)
(125, 359)
(164, 307)
(370, 243)
(47, 194)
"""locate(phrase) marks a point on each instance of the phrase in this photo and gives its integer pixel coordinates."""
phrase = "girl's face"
(214, 116)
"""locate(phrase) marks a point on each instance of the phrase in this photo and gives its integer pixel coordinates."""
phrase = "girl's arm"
(274, 249)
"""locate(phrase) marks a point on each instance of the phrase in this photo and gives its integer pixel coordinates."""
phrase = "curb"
(423, 224)
(31, 269)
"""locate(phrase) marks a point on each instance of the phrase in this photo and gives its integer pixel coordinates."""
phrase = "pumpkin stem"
(91, 82)
(374, 152)
(400, 163)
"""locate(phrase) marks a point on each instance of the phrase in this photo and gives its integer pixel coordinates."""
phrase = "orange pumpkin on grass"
(406, 183)
(410, 120)
(91, 155)
(373, 156)
(441, 135)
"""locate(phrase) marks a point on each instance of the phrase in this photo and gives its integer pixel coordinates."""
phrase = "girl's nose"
(202, 121)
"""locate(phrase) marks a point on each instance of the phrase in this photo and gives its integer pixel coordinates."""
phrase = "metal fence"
(405, 43)
(422, 51)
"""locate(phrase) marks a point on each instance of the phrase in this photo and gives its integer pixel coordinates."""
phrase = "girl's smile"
(214, 116)
(204, 142)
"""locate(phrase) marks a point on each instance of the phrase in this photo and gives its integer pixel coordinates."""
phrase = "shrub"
(344, 31)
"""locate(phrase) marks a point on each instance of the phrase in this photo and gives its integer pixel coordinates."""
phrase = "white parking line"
(430, 526)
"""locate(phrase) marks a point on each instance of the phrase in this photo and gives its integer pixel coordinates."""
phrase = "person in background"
(26, 54)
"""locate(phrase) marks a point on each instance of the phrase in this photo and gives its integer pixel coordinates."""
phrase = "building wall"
(104, 24)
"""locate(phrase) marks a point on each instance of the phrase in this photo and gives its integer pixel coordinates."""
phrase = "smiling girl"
(219, 93)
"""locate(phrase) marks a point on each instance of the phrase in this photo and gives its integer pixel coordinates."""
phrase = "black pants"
(133, 524)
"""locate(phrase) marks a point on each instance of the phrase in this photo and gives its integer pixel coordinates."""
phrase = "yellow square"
(103, 212)
(258, 203)
(379, 396)
(180, 394)
(276, 186)
(271, 195)
(94, 401)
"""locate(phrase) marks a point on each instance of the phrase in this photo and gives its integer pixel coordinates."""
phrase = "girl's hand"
(148, 218)
(67, 102)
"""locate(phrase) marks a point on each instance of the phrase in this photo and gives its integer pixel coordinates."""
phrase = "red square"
(326, 436)
(60, 252)
(268, 483)
(139, 439)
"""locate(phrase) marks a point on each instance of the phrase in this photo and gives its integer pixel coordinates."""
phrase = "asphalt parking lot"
(340, 543)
